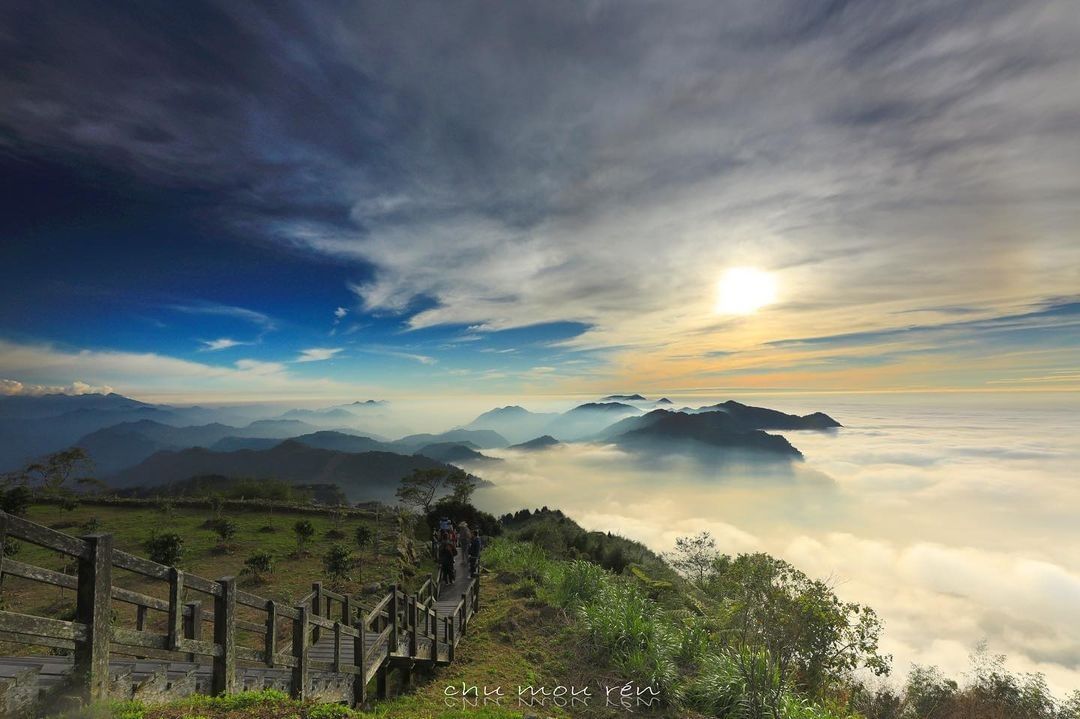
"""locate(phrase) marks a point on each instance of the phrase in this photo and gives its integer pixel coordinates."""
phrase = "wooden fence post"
(316, 608)
(193, 624)
(176, 608)
(299, 686)
(413, 621)
(92, 608)
(360, 660)
(392, 609)
(270, 648)
(223, 680)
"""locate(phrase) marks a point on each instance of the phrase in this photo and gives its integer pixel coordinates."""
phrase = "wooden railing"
(400, 631)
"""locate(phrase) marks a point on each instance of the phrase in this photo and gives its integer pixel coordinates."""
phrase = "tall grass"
(672, 651)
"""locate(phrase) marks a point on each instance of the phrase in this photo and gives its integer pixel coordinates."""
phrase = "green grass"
(132, 526)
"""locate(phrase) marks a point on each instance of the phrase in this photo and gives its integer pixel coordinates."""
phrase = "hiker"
(464, 539)
(435, 544)
(475, 545)
(447, 559)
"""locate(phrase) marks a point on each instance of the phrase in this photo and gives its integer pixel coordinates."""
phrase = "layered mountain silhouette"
(764, 418)
(477, 438)
(127, 443)
(136, 442)
(362, 475)
(705, 433)
(455, 452)
(513, 422)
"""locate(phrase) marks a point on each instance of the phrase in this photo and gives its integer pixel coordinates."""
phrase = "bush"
(337, 561)
(304, 530)
(226, 529)
(165, 549)
(259, 564)
(16, 500)
(364, 536)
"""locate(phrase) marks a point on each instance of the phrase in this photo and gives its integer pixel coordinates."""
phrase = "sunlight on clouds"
(744, 290)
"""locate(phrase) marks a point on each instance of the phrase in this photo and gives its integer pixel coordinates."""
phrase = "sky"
(312, 200)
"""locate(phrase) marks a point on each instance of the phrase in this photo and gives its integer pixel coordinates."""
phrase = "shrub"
(364, 536)
(226, 529)
(16, 500)
(304, 530)
(337, 561)
(165, 548)
(259, 564)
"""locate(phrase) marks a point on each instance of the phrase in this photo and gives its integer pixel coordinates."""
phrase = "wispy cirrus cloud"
(222, 343)
(220, 310)
(318, 354)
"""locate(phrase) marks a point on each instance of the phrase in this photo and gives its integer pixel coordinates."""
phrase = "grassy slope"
(514, 640)
(291, 579)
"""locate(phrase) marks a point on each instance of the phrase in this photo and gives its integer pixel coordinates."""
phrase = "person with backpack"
(448, 559)
(475, 545)
(464, 539)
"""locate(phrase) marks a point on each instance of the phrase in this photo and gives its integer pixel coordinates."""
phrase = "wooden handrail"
(398, 616)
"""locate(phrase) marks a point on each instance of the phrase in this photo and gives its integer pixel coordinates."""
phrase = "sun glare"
(744, 290)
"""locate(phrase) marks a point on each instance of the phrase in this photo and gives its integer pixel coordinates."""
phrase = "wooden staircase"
(325, 646)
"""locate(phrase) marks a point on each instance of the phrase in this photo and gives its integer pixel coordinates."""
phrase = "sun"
(744, 290)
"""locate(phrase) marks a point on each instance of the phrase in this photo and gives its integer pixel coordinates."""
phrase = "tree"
(419, 489)
(337, 562)
(165, 548)
(54, 476)
(785, 625)
(304, 530)
(364, 536)
(694, 557)
(259, 564)
(462, 486)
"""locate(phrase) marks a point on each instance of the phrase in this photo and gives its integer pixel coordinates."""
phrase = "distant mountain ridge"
(539, 443)
(764, 418)
(362, 476)
(670, 432)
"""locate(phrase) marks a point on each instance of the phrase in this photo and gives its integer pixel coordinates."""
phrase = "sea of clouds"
(953, 516)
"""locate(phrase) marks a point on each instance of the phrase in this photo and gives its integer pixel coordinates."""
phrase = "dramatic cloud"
(605, 163)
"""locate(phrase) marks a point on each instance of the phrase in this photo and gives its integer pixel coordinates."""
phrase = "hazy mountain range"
(135, 443)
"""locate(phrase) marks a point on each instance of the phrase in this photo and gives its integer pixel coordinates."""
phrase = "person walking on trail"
(464, 539)
(475, 545)
(435, 537)
(447, 559)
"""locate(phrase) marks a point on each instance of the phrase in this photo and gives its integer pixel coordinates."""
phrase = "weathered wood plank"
(36, 640)
(145, 567)
(42, 626)
(20, 528)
